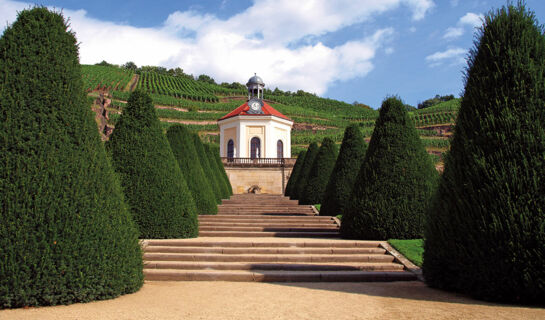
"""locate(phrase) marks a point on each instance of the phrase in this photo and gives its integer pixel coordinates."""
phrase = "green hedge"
(343, 176)
(486, 230)
(184, 150)
(223, 184)
(320, 172)
(66, 234)
(154, 186)
(295, 173)
(216, 153)
(395, 182)
(301, 183)
(211, 177)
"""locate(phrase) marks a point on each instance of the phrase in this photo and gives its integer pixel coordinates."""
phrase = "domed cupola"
(255, 87)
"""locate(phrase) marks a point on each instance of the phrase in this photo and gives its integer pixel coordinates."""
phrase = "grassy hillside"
(200, 104)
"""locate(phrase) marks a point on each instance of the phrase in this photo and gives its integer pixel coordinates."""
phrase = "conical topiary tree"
(184, 150)
(301, 183)
(154, 186)
(395, 182)
(343, 177)
(290, 186)
(216, 152)
(211, 177)
(224, 189)
(65, 232)
(485, 231)
(320, 172)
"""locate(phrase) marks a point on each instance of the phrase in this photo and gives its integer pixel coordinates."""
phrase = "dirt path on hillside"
(242, 300)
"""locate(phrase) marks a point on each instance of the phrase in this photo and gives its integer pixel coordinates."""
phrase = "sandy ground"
(233, 300)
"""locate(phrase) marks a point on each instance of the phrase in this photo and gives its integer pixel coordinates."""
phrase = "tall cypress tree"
(395, 182)
(290, 186)
(216, 153)
(211, 155)
(320, 172)
(211, 177)
(184, 150)
(301, 183)
(485, 234)
(65, 232)
(156, 190)
(343, 177)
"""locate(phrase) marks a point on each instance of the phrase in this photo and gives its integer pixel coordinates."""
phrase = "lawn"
(412, 249)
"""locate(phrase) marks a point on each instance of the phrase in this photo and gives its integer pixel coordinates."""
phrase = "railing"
(258, 162)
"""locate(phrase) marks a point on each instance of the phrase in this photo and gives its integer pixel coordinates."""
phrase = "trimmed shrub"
(184, 150)
(295, 173)
(301, 184)
(320, 172)
(395, 183)
(216, 152)
(211, 176)
(65, 233)
(154, 186)
(342, 179)
(216, 171)
(485, 232)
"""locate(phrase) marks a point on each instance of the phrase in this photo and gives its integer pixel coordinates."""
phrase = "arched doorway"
(230, 149)
(280, 149)
(255, 148)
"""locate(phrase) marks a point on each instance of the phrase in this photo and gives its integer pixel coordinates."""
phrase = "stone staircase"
(271, 239)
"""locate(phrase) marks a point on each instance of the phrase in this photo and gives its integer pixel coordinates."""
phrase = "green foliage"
(216, 153)
(320, 172)
(99, 77)
(436, 100)
(301, 183)
(217, 170)
(211, 177)
(486, 229)
(184, 150)
(343, 176)
(154, 186)
(65, 233)
(295, 173)
(395, 181)
(412, 249)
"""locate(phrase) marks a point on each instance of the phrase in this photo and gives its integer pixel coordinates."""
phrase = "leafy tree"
(212, 178)
(395, 182)
(206, 78)
(290, 186)
(320, 172)
(104, 63)
(65, 233)
(301, 183)
(223, 184)
(184, 150)
(436, 100)
(130, 66)
(154, 186)
(485, 232)
(343, 177)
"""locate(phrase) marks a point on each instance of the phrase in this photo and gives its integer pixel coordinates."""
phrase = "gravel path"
(241, 300)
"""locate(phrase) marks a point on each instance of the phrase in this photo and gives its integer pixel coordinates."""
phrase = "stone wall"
(271, 180)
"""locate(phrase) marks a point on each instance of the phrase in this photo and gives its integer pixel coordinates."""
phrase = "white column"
(223, 152)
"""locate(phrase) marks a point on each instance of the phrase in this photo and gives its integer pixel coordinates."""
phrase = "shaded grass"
(412, 249)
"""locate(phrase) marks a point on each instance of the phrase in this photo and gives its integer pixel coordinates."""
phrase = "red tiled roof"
(242, 111)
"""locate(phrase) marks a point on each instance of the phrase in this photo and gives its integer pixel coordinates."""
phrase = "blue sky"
(346, 49)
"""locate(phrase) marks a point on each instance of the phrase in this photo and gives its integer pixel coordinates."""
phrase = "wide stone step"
(266, 217)
(267, 224)
(331, 228)
(263, 213)
(276, 276)
(268, 258)
(262, 250)
(250, 234)
(199, 265)
(288, 243)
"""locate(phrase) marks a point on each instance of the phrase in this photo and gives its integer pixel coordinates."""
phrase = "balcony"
(258, 162)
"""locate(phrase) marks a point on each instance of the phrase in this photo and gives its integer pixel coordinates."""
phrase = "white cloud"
(470, 19)
(260, 39)
(454, 55)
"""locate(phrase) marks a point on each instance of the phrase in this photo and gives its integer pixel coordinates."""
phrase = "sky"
(349, 50)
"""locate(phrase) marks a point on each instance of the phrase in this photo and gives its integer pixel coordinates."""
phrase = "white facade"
(268, 129)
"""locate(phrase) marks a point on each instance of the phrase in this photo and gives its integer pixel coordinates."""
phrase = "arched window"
(255, 148)
(280, 149)
(230, 149)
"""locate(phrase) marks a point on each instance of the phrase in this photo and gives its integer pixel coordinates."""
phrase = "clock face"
(255, 105)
